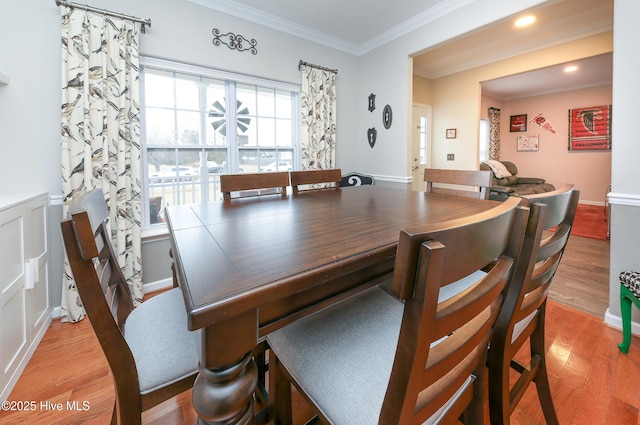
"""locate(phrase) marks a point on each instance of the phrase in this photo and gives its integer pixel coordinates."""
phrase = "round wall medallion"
(387, 116)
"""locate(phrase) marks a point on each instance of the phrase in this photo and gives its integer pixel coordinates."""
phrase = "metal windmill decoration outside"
(220, 124)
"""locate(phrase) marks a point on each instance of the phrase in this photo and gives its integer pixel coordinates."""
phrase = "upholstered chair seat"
(631, 280)
(162, 347)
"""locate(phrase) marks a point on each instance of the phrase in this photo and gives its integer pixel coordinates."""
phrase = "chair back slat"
(523, 315)
(99, 279)
(317, 179)
(253, 181)
(442, 344)
(469, 183)
(547, 247)
(487, 242)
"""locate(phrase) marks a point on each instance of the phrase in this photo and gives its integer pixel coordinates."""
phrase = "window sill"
(156, 232)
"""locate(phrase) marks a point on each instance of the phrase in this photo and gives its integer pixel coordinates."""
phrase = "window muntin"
(423, 139)
(191, 136)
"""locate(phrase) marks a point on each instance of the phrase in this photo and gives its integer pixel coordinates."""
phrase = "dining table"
(248, 266)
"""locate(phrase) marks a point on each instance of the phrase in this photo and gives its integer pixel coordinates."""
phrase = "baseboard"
(616, 322)
(158, 285)
(595, 203)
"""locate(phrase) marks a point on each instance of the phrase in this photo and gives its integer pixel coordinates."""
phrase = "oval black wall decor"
(387, 116)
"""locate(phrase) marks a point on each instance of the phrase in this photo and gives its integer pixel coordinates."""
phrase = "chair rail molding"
(630, 199)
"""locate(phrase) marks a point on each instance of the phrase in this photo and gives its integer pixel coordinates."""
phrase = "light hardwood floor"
(582, 278)
(592, 382)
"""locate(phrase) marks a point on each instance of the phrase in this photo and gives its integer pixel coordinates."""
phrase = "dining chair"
(462, 179)
(522, 318)
(629, 294)
(156, 212)
(376, 358)
(151, 354)
(248, 184)
(315, 179)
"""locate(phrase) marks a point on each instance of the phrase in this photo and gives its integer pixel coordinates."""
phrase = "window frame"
(233, 148)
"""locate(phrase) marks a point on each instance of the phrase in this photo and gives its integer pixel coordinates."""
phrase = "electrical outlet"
(451, 157)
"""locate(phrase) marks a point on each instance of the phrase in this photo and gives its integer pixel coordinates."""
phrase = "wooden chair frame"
(107, 300)
(523, 315)
(477, 178)
(253, 181)
(314, 177)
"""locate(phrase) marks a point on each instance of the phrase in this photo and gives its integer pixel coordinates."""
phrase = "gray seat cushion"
(163, 349)
(342, 356)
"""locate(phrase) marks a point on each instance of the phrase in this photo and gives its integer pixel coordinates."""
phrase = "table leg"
(223, 391)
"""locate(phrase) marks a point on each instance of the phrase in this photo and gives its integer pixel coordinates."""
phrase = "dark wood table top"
(242, 254)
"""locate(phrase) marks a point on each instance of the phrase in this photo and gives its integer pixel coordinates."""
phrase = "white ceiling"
(358, 26)
(354, 26)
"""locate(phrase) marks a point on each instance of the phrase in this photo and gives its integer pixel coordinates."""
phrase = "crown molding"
(438, 11)
(271, 21)
(250, 14)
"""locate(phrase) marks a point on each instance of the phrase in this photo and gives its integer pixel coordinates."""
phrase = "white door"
(420, 144)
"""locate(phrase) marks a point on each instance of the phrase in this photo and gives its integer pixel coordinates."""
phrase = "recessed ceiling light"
(525, 21)
(571, 68)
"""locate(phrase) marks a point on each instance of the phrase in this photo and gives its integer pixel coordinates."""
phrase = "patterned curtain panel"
(494, 133)
(318, 100)
(101, 134)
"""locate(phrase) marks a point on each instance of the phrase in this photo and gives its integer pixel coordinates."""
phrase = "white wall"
(30, 104)
(625, 173)
(387, 72)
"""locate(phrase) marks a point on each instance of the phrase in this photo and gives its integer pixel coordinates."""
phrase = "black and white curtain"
(318, 104)
(494, 133)
(100, 124)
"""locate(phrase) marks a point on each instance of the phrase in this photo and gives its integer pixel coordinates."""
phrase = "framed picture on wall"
(590, 128)
(518, 123)
(528, 143)
(451, 133)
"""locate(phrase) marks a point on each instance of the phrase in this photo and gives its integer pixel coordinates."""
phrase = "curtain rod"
(144, 22)
(303, 63)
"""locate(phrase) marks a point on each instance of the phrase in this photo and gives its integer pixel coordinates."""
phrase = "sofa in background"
(506, 182)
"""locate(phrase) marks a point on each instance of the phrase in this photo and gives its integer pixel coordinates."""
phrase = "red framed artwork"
(590, 128)
(518, 123)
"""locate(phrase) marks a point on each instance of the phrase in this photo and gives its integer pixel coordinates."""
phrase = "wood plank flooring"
(582, 278)
(592, 382)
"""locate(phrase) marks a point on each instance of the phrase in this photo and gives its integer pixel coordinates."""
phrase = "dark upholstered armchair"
(506, 182)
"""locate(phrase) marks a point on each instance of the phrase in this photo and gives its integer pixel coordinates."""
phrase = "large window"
(199, 123)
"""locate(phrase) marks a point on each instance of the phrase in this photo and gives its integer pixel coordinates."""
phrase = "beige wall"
(422, 90)
(457, 103)
(589, 171)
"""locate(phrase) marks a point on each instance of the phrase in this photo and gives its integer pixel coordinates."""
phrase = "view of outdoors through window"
(191, 135)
